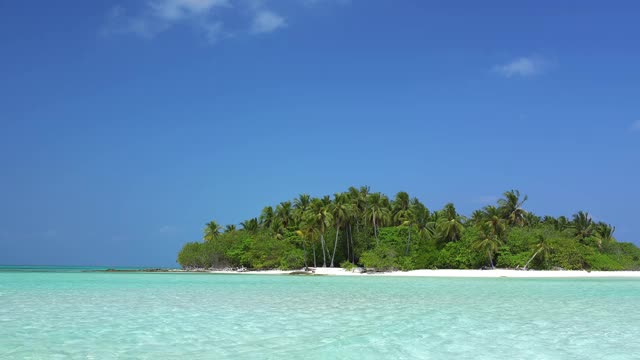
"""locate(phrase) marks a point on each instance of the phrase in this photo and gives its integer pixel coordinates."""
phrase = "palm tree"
(354, 194)
(284, 213)
(541, 248)
(303, 234)
(477, 216)
(358, 203)
(326, 200)
(278, 228)
(400, 208)
(605, 232)
(359, 200)
(419, 211)
(250, 225)
(583, 225)
(319, 218)
(487, 242)
(230, 228)
(432, 225)
(421, 219)
(266, 217)
(300, 205)
(494, 221)
(408, 222)
(550, 220)
(377, 211)
(532, 219)
(403, 209)
(561, 223)
(449, 224)
(211, 230)
(309, 231)
(511, 207)
(364, 192)
(341, 211)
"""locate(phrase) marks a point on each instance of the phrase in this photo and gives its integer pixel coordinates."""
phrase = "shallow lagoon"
(88, 315)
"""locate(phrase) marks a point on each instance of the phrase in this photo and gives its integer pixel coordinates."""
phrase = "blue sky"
(125, 126)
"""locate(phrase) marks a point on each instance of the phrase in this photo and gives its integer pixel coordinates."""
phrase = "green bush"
(598, 261)
(520, 240)
(626, 254)
(405, 263)
(347, 265)
(460, 254)
(203, 255)
(395, 238)
(567, 254)
(425, 254)
(190, 255)
(509, 260)
(292, 259)
(381, 258)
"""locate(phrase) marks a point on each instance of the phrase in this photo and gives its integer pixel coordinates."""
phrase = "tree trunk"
(527, 264)
(491, 260)
(335, 244)
(353, 254)
(375, 229)
(304, 248)
(348, 230)
(324, 255)
(314, 257)
(408, 241)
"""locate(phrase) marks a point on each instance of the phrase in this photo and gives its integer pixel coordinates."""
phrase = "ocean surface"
(65, 313)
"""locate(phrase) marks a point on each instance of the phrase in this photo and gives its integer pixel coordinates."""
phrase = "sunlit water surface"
(87, 315)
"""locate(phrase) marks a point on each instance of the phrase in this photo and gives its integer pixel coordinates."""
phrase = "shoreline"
(450, 273)
(439, 273)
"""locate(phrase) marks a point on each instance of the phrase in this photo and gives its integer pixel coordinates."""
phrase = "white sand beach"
(497, 273)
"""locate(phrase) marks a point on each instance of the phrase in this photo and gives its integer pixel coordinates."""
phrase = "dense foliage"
(359, 227)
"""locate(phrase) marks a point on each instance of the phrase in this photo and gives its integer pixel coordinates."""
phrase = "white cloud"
(523, 66)
(158, 16)
(213, 31)
(635, 126)
(173, 10)
(213, 20)
(266, 21)
(318, 2)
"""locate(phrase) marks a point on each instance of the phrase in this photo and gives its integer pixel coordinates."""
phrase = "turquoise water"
(58, 269)
(76, 315)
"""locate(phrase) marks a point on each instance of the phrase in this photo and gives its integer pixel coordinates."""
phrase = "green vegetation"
(361, 228)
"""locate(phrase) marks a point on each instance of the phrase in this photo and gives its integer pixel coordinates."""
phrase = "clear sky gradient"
(125, 126)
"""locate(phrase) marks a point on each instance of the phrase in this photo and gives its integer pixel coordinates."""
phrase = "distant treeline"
(360, 227)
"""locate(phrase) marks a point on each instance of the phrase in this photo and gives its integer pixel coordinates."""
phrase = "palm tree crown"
(211, 230)
(583, 225)
(449, 224)
(377, 211)
(401, 208)
(487, 242)
(511, 207)
(267, 216)
(284, 213)
(250, 225)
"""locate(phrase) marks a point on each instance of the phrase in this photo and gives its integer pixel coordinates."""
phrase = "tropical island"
(360, 228)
